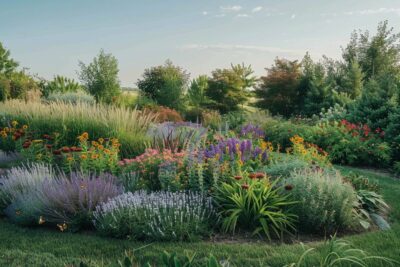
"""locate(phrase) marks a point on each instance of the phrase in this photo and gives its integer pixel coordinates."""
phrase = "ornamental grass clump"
(325, 204)
(165, 216)
(70, 120)
(177, 136)
(70, 201)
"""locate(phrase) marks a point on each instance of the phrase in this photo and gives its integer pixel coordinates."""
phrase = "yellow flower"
(101, 140)
(94, 156)
(100, 147)
(14, 123)
(83, 156)
(83, 137)
(107, 151)
(70, 159)
(36, 141)
(95, 144)
(62, 227)
(25, 127)
(41, 220)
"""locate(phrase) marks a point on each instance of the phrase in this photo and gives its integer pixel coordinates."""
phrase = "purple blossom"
(233, 148)
(252, 131)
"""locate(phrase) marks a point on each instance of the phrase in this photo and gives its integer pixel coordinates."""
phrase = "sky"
(50, 37)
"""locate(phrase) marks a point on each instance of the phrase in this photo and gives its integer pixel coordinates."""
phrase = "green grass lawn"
(43, 247)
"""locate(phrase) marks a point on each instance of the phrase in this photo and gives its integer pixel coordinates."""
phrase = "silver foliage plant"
(21, 180)
(155, 216)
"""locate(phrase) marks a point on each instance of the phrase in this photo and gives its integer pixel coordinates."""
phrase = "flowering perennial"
(156, 215)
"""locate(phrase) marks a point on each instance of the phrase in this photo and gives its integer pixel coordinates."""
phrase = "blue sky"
(51, 36)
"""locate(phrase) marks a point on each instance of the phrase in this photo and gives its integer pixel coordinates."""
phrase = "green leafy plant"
(361, 182)
(372, 207)
(254, 205)
(337, 252)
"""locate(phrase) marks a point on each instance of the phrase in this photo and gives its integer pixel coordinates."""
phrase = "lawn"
(43, 247)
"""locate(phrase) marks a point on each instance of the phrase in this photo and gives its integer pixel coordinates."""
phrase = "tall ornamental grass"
(71, 120)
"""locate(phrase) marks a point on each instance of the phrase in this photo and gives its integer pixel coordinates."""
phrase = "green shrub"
(352, 144)
(253, 205)
(360, 182)
(324, 202)
(279, 132)
(70, 121)
(281, 165)
(60, 85)
(72, 97)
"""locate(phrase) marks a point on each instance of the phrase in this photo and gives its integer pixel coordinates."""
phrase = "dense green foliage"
(324, 203)
(227, 88)
(165, 84)
(60, 84)
(100, 77)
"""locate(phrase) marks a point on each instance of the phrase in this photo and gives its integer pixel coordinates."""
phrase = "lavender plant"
(71, 201)
(24, 209)
(252, 131)
(232, 156)
(21, 180)
(155, 216)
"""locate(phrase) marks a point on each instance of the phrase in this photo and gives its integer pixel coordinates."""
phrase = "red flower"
(17, 136)
(48, 146)
(78, 149)
(245, 186)
(252, 175)
(26, 145)
(48, 137)
(237, 177)
(57, 152)
(260, 175)
(65, 149)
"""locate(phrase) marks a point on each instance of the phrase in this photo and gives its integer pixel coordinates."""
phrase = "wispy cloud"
(242, 15)
(257, 9)
(293, 16)
(205, 13)
(382, 10)
(255, 48)
(230, 8)
(220, 15)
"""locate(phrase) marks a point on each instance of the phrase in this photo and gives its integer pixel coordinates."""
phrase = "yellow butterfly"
(41, 220)
(62, 227)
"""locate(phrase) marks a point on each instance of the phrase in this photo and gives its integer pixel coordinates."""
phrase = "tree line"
(366, 80)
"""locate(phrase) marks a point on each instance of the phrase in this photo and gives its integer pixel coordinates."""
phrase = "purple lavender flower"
(252, 131)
